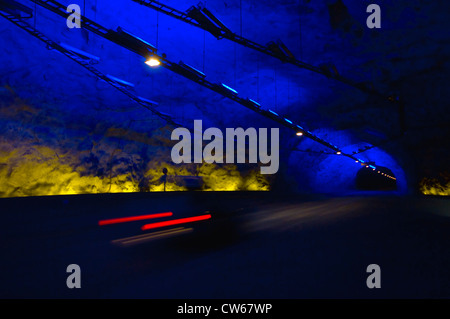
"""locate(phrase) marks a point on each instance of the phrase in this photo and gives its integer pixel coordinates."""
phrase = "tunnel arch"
(381, 179)
(336, 174)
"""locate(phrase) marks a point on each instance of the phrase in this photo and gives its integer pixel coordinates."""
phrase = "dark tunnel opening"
(379, 179)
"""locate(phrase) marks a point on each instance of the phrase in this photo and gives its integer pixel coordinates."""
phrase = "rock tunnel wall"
(65, 132)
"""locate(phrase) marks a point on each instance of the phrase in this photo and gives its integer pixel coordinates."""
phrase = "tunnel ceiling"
(47, 98)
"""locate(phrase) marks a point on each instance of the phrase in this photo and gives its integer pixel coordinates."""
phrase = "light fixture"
(289, 121)
(120, 81)
(274, 113)
(338, 153)
(233, 91)
(254, 103)
(299, 134)
(80, 53)
(191, 71)
(152, 61)
(147, 101)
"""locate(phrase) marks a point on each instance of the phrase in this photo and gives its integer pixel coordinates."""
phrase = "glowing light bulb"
(152, 62)
(299, 134)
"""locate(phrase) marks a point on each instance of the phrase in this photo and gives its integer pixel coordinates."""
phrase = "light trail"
(133, 218)
(176, 222)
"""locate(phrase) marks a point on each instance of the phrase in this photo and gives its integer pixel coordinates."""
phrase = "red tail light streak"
(133, 218)
(176, 222)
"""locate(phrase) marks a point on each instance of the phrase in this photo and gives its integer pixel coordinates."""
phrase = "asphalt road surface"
(250, 245)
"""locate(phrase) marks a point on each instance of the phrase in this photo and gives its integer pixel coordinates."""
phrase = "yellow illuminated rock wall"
(436, 186)
(31, 170)
(46, 150)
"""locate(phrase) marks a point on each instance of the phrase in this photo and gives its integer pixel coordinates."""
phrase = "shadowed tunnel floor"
(255, 245)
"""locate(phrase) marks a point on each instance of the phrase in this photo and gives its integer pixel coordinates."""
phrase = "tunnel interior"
(371, 179)
(358, 96)
(224, 149)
